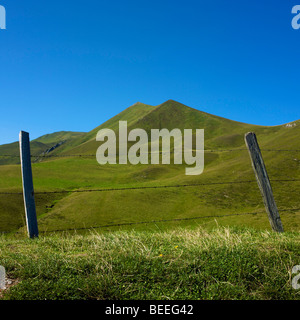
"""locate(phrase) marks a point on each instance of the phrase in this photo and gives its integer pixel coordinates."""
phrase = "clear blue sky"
(71, 65)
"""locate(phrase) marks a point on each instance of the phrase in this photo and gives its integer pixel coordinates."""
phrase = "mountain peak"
(170, 101)
(138, 103)
(173, 104)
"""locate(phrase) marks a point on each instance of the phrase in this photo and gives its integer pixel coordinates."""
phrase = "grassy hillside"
(87, 144)
(225, 263)
(55, 137)
(38, 146)
(219, 132)
(206, 202)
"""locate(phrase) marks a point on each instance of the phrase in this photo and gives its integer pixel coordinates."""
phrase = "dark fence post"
(28, 191)
(263, 181)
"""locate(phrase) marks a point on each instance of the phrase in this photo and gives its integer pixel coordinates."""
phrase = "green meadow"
(182, 264)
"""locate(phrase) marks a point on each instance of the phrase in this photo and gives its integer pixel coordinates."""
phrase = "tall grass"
(225, 263)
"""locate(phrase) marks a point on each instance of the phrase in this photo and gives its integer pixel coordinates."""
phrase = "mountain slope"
(219, 132)
(9, 153)
(88, 209)
(169, 115)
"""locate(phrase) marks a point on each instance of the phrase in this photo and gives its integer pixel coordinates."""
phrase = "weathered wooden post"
(28, 191)
(263, 181)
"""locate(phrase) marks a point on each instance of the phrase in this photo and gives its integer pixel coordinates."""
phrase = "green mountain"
(219, 132)
(208, 197)
(9, 153)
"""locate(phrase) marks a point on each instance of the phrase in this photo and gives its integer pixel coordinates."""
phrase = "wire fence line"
(94, 155)
(154, 221)
(150, 187)
(144, 222)
(165, 220)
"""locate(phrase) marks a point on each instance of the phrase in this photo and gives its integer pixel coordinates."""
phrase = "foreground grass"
(225, 263)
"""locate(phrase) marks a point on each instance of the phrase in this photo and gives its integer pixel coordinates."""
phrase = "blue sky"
(71, 65)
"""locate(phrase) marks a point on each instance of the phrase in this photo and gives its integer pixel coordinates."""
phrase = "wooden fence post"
(28, 191)
(263, 181)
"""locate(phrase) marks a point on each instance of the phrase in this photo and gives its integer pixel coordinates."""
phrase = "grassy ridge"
(225, 263)
(37, 146)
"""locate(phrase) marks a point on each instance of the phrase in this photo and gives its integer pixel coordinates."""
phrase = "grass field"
(183, 264)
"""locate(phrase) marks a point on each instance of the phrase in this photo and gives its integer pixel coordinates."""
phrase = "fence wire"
(149, 187)
(165, 220)
(165, 152)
